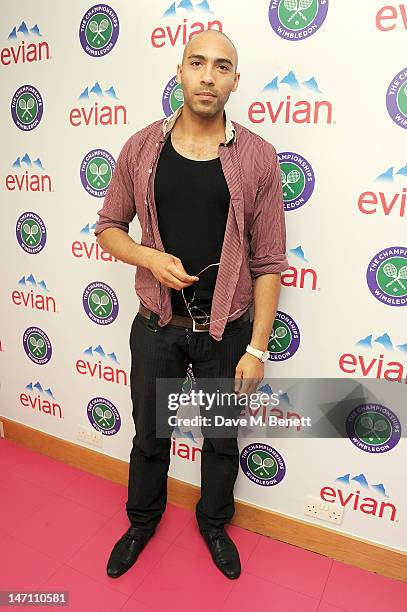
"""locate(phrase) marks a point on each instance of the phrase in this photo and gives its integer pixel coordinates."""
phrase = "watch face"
(265, 355)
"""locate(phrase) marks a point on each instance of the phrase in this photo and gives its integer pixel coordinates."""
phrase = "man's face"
(209, 65)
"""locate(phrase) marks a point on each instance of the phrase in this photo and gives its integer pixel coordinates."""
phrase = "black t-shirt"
(192, 200)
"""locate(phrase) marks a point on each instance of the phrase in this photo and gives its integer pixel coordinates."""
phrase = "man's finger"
(178, 270)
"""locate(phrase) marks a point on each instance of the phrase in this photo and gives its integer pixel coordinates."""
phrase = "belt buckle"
(194, 329)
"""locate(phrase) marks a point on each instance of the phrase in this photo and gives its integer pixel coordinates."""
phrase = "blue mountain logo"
(362, 482)
(98, 91)
(187, 5)
(284, 397)
(384, 340)
(24, 30)
(26, 161)
(29, 281)
(184, 434)
(98, 352)
(299, 253)
(38, 387)
(291, 80)
(388, 175)
(88, 229)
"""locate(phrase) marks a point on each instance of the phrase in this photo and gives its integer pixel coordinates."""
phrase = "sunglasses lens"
(189, 293)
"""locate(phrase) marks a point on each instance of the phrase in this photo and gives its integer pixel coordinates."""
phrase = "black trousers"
(166, 353)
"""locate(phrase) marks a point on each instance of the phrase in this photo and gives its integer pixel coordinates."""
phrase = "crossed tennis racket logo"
(102, 415)
(97, 29)
(98, 172)
(26, 106)
(373, 429)
(100, 301)
(397, 276)
(296, 7)
(31, 231)
(262, 464)
(37, 344)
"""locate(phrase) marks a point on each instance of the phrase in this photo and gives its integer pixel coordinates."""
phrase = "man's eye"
(224, 67)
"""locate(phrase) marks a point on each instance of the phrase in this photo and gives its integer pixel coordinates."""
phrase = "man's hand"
(248, 374)
(169, 270)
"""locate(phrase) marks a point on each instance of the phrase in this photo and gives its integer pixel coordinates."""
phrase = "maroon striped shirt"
(255, 233)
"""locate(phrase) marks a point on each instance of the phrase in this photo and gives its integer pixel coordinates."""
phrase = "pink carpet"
(58, 525)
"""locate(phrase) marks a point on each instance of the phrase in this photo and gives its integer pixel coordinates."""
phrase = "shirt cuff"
(271, 264)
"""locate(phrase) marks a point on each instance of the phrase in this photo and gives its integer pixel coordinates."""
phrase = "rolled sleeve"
(268, 232)
(118, 208)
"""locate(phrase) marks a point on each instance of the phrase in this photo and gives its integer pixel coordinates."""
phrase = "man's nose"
(207, 75)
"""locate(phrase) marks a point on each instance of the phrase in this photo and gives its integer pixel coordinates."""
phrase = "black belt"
(188, 322)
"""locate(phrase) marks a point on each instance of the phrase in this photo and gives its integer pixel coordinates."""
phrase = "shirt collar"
(230, 131)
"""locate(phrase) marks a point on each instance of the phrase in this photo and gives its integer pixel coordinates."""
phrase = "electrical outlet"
(90, 436)
(325, 511)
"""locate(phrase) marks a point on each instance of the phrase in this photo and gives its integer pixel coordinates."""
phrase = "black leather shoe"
(126, 551)
(223, 551)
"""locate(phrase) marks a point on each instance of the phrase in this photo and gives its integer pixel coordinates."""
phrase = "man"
(207, 193)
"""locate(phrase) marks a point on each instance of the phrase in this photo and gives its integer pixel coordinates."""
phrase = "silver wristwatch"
(262, 355)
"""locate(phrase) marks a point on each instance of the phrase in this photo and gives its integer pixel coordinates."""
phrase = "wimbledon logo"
(37, 345)
(284, 339)
(104, 416)
(373, 428)
(173, 97)
(387, 276)
(27, 107)
(99, 30)
(396, 99)
(262, 464)
(297, 19)
(31, 233)
(297, 180)
(100, 303)
(96, 172)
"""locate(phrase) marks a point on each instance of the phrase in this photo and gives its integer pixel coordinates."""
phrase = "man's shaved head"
(206, 36)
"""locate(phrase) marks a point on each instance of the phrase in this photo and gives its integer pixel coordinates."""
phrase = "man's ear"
(179, 71)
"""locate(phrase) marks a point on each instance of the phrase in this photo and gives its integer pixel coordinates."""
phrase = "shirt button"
(150, 170)
(156, 144)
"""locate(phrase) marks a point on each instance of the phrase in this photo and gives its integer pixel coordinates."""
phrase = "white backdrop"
(327, 86)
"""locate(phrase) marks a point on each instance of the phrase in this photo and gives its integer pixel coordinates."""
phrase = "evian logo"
(376, 356)
(289, 101)
(297, 19)
(390, 16)
(88, 248)
(33, 295)
(390, 199)
(357, 495)
(26, 46)
(96, 363)
(300, 274)
(40, 400)
(98, 106)
(180, 32)
(28, 175)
